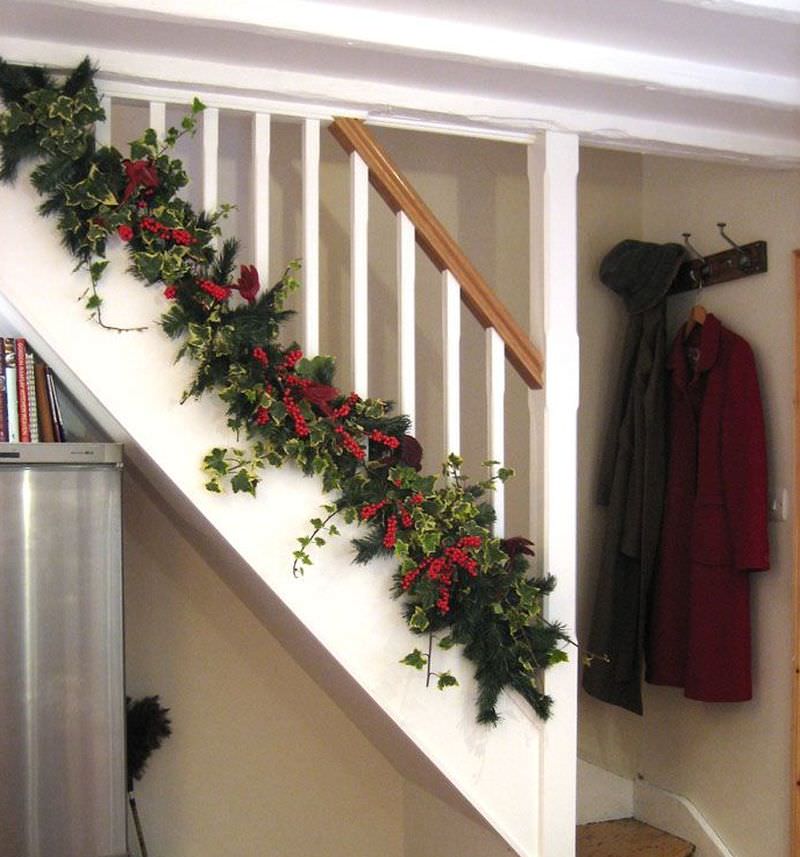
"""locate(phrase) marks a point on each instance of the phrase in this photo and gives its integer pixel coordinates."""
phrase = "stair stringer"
(130, 383)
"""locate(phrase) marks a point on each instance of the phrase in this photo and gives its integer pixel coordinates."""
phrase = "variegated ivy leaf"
(446, 679)
(416, 659)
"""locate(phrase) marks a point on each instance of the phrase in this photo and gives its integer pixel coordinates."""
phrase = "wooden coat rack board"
(733, 264)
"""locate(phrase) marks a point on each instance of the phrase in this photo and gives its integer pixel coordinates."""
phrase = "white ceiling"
(715, 77)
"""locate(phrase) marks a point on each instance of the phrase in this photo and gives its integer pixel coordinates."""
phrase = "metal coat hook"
(697, 274)
(700, 271)
(744, 259)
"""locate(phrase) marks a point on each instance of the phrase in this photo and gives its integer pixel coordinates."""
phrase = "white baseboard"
(602, 795)
(678, 816)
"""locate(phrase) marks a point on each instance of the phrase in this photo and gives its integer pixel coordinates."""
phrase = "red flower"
(516, 545)
(139, 173)
(248, 284)
(170, 292)
(125, 232)
(321, 396)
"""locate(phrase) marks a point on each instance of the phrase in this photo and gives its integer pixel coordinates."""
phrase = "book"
(11, 389)
(33, 410)
(23, 400)
(47, 431)
(3, 399)
(55, 406)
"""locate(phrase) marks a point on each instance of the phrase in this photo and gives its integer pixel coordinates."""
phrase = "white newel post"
(552, 173)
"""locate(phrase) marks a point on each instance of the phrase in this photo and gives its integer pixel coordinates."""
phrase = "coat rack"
(740, 261)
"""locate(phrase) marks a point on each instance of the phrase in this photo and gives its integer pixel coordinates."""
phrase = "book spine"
(23, 402)
(33, 409)
(53, 395)
(11, 390)
(3, 397)
(46, 426)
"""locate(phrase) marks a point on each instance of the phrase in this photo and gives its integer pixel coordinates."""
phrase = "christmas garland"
(458, 584)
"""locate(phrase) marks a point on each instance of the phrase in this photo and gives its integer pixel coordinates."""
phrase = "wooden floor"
(629, 838)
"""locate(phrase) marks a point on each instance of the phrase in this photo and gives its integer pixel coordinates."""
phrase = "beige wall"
(433, 829)
(733, 760)
(261, 761)
(609, 209)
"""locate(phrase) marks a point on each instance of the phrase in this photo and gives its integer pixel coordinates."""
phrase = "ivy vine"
(458, 584)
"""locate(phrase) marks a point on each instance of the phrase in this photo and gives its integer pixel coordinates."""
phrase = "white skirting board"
(678, 816)
(603, 796)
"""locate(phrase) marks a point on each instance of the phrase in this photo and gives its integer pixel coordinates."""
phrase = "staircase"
(519, 777)
(628, 837)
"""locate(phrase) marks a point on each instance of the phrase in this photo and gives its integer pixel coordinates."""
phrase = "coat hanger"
(697, 314)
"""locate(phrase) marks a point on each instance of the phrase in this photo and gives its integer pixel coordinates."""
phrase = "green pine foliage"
(457, 582)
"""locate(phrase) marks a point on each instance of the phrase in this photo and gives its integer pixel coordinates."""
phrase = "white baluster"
(359, 296)
(451, 365)
(210, 158)
(260, 159)
(495, 417)
(552, 173)
(311, 129)
(102, 130)
(158, 118)
(406, 316)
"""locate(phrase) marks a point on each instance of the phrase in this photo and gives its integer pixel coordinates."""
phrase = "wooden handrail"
(441, 248)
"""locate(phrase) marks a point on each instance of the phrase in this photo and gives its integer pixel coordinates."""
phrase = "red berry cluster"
(385, 439)
(297, 381)
(182, 236)
(390, 536)
(125, 232)
(371, 509)
(291, 359)
(300, 425)
(262, 416)
(260, 355)
(161, 230)
(405, 518)
(150, 224)
(457, 556)
(217, 292)
(349, 443)
(170, 292)
(442, 569)
(344, 409)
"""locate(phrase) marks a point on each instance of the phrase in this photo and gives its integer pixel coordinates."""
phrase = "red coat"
(715, 519)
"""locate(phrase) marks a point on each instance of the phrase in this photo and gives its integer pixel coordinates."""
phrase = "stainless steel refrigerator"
(62, 697)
